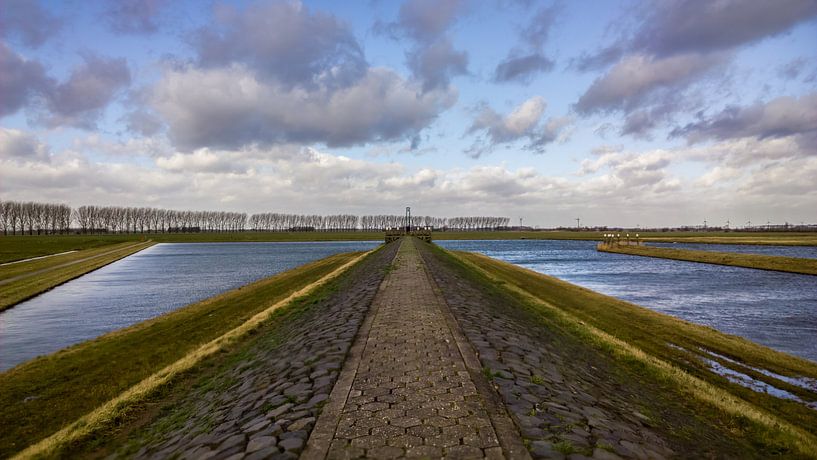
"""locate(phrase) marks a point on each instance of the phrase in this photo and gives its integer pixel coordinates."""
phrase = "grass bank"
(761, 262)
(24, 280)
(672, 351)
(18, 247)
(50, 393)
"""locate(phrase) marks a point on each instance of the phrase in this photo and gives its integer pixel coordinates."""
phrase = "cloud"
(520, 66)
(28, 21)
(437, 63)
(522, 69)
(433, 59)
(135, 16)
(231, 107)
(277, 73)
(20, 80)
(19, 145)
(625, 188)
(792, 69)
(675, 45)
(638, 78)
(685, 26)
(598, 60)
(142, 122)
(780, 117)
(202, 160)
(80, 100)
(428, 20)
(522, 123)
(555, 129)
(283, 41)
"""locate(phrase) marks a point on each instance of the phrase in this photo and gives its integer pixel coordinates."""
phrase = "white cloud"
(20, 145)
(230, 107)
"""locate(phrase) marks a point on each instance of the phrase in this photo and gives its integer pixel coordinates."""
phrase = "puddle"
(801, 382)
(751, 383)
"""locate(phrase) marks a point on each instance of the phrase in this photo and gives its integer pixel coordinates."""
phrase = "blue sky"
(621, 113)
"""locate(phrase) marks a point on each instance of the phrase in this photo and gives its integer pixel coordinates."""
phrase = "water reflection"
(775, 309)
(147, 284)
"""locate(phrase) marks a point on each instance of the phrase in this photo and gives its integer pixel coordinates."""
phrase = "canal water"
(147, 284)
(775, 309)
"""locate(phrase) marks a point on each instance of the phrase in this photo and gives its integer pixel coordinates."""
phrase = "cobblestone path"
(407, 389)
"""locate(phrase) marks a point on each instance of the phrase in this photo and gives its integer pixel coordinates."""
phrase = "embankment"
(761, 262)
(571, 363)
(24, 280)
(90, 385)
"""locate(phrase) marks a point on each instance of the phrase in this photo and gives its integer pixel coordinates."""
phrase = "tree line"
(50, 218)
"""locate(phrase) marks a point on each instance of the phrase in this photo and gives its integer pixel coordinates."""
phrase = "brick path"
(412, 386)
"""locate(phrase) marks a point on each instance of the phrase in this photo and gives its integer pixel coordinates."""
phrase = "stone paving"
(412, 394)
(266, 404)
(562, 395)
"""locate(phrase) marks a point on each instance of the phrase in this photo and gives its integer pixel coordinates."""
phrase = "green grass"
(639, 339)
(46, 394)
(762, 262)
(38, 276)
(18, 247)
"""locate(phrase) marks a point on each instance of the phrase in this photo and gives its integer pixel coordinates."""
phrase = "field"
(761, 262)
(46, 394)
(670, 349)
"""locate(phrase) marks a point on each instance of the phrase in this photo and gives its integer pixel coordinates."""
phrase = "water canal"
(147, 284)
(776, 309)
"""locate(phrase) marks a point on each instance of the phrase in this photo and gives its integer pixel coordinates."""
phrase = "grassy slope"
(17, 291)
(18, 247)
(762, 262)
(650, 332)
(43, 395)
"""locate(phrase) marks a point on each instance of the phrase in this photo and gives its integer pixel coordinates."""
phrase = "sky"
(628, 113)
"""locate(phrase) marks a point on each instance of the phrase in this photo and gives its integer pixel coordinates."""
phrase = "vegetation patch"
(761, 262)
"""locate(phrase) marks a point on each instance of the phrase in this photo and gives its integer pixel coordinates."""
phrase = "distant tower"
(578, 222)
(408, 219)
